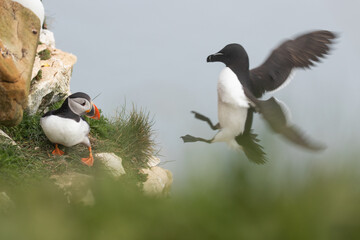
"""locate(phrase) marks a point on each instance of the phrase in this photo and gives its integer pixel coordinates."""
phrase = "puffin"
(67, 127)
(239, 91)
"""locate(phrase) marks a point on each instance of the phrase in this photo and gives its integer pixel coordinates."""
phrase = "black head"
(80, 95)
(80, 103)
(231, 55)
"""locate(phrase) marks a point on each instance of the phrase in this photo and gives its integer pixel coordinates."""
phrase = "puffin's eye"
(83, 104)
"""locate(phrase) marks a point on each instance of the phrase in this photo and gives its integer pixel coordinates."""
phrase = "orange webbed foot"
(57, 151)
(90, 160)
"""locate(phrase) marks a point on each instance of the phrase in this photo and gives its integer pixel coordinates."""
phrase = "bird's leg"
(206, 119)
(57, 151)
(189, 138)
(90, 160)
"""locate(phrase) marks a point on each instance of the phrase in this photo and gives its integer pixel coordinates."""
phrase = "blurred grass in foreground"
(235, 200)
(325, 206)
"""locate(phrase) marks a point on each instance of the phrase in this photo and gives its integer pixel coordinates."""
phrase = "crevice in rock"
(44, 102)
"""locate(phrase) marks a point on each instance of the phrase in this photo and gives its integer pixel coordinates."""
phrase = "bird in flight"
(239, 90)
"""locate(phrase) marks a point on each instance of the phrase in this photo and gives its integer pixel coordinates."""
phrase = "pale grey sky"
(153, 53)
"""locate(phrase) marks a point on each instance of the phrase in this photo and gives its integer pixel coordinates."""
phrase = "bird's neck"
(65, 110)
(243, 74)
(65, 106)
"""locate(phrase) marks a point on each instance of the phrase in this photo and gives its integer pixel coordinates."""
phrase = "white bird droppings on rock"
(112, 162)
(47, 38)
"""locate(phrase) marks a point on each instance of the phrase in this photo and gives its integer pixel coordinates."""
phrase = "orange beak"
(94, 113)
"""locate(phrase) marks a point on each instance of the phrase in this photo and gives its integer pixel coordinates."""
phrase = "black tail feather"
(252, 149)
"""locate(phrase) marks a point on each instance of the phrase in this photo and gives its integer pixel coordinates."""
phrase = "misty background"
(153, 54)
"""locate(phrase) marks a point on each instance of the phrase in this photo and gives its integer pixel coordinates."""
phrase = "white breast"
(230, 89)
(232, 105)
(65, 131)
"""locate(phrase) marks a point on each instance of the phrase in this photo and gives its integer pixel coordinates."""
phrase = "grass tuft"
(127, 134)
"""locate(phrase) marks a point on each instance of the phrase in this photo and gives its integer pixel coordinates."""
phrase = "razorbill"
(239, 89)
(66, 126)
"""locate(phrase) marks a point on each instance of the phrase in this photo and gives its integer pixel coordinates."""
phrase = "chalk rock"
(112, 162)
(159, 181)
(153, 161)
(19, 31)
(76, 187)
(4, 138)
(47, 38)
(50, 79)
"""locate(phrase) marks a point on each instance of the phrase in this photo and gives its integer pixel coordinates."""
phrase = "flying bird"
(66, 125)
(239, 90)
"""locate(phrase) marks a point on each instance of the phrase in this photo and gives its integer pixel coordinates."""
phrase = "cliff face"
(50, 81)
(19, 34)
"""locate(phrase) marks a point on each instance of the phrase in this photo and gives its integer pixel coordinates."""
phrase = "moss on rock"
(45, 54)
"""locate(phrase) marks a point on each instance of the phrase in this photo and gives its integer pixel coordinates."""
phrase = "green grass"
(128, 135)
(325, 207)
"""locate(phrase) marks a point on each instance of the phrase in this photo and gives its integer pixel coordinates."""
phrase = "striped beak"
(93, 112)
(215, 57)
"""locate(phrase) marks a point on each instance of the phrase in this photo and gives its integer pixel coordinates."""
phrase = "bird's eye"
(83, 104)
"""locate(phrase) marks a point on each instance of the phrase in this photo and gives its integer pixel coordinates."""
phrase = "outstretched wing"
(302, 52)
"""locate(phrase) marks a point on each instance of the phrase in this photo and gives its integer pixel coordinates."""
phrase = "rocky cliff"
(20, 30)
